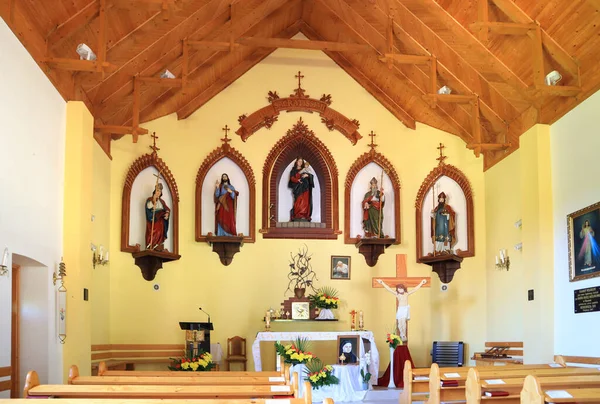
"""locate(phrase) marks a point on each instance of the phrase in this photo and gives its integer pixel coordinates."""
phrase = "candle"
(502, 255)
(361, 324)
(5, 258)
(107, 256)
(101, 252)
(497, 261)
(267, 319)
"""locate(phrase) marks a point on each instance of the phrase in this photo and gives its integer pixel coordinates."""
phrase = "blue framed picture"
(584, 243)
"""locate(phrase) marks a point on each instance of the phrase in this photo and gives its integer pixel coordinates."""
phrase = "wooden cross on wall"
(401, 277)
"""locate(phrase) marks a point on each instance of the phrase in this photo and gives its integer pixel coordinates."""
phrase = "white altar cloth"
(317, 336)
(348, 389)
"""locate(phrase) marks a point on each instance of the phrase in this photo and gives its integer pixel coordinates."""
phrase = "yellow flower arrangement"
(319, 375)
(201, 362)
(325, 298)
(296, 352)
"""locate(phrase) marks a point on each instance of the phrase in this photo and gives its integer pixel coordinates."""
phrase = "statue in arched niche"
(225, 207)
(443, 226)
(302, 184)
(157, 219)
(372, 204)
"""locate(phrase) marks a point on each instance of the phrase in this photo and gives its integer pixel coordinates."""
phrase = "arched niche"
(300, 141)
(369, 165)
(139, 184)
(225, 159)
(456, 186)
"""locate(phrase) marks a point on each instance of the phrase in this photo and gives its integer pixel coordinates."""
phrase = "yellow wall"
(100, 282)
(237, 296)
(520, 188)
(77, 234)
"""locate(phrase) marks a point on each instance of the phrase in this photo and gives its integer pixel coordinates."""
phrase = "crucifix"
(226, 139)
(442, 157)
(402, 278)
(372, 145)
(153, 147)
(299, 76)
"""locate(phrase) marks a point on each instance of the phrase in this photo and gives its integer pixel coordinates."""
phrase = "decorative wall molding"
(300, 141)
(371, 157)
(226, 151)
(298, 101)
(145, 161)
(460, 178)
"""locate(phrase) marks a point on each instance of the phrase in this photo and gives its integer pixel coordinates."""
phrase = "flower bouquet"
(319, 375)
(198, 363)
(296, 352)
(364, 368)
(393, 340)
(325, 299)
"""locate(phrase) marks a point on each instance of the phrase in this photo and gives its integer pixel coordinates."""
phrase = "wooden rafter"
(101, 35)
(503, 28)
(255, 42)
(483, 15)
(73, 24)
(120, 130)
(77, 65)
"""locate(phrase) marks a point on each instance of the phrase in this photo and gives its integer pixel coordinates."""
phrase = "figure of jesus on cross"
(401, 292)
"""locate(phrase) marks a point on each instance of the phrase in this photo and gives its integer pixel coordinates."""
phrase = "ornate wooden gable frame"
(149, 261)
(459, 177)
(371, 157)
(298, 101)
(226, 151)
(300, 140)
(145, 161)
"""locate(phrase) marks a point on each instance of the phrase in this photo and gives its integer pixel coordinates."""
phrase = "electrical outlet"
(530, 294)
(85, 294)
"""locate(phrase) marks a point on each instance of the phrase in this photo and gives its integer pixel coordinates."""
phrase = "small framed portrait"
(349, 346)
(584, 236)
(340, 267)
(300, 310)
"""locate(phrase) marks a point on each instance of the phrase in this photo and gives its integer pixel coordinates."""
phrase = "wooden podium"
(197, 335)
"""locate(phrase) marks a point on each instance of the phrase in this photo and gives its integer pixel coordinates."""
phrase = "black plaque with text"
(587, 300)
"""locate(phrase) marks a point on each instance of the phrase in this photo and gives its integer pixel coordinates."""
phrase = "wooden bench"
(126, 356)
(475, 387)
(181, 379)
(535, 392)
(509, 352)
(577, 360)
(437, 393)
(169, 401)
(35, 390)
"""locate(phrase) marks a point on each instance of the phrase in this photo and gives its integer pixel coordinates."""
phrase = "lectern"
(197, 335)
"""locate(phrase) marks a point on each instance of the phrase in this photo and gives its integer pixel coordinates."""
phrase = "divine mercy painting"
(584, 252)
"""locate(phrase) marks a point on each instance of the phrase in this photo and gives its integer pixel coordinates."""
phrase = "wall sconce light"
(503, 262)
(61, 299)
(100, 258)
(519, 246)
(445, 90)
(553, 78)
(4, 265)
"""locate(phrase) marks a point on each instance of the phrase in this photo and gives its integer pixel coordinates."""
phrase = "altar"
(349, 389)
(317, 336)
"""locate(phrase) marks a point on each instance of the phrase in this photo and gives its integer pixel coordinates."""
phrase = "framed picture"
(340, 267)
(349, 345)
(300, 310)
(584, 234)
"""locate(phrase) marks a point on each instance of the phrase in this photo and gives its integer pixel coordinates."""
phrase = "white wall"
(575, 143)
(32, 114)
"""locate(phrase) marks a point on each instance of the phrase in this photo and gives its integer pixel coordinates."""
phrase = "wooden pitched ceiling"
(493, 54)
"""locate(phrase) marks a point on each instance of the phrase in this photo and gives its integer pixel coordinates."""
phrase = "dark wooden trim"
(267, 116)
(133, 347)
(15, 353)
(226, 151)
(137, 354)
(461, 179)
(5, 371)
(372, 157)
(145, 161)
(6, 385)
(300, 140)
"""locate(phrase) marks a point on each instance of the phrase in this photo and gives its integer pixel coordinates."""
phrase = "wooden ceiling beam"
(483, 16)
(78, 65)
(204, 64)
(120, 130)
(450, 65)
(182, 24)
(186, 110)
(406, 59)
(302, 44)
(101, 35)
(372, 88)
(503, 28)
(68, 28)
(516, 14)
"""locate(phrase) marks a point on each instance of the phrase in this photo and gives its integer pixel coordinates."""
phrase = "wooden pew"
(425, 371)
(475, 387)
(514, 349)
(180, 378)
(34, 389)
(534, 392)
(161, 401)
(103, 371)
(583, 360)
(438, 394)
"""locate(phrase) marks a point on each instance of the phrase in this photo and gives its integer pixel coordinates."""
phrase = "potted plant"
(296, 352)
(301, 274)
(364, 370)
(325, 299)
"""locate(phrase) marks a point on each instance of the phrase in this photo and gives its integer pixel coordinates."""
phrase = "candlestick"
(267, 321)
(361, 323)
